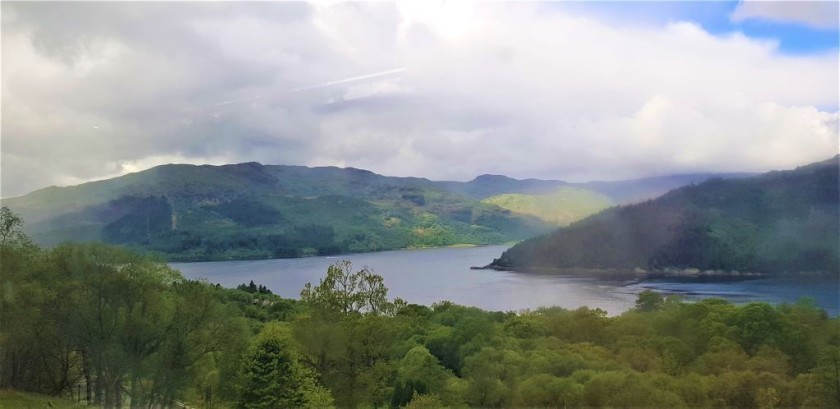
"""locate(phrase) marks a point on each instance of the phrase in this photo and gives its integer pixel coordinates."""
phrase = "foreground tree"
(344, 292)
(11, 229)
(273, 378)
(23, 338)
(649, 300)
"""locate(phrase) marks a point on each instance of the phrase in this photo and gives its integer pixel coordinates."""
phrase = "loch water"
(425, 276)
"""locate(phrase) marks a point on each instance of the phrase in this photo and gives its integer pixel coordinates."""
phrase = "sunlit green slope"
(561, 207)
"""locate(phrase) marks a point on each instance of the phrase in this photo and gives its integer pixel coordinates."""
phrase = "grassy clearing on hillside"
(562, 207)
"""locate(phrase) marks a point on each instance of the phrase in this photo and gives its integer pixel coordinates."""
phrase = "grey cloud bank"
(91, 90)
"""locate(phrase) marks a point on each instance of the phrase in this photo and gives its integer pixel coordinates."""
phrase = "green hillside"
(783, 221)
(561, 207)
(249, 210)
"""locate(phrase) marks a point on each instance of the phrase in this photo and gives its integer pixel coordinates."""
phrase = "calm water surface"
(430, 275)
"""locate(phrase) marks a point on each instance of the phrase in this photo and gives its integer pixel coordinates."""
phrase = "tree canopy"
(126, 330)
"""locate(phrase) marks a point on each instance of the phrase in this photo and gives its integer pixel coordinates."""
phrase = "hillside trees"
(273, 377)
(133, 332)
(344, 292)
(247, 211)
(11, 230)
(777, 223)
(347, 337)
(18, 259)
(127, 327)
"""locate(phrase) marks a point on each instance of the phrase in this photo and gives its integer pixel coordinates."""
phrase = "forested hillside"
(782, 221)
(249, 210)
(126, 330)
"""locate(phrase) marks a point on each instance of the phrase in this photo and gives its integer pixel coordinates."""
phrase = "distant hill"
(782, 221)
(619, 191)
(622, 192)
(485, 186)
(561, 203)
(249, 210)
(560, 207)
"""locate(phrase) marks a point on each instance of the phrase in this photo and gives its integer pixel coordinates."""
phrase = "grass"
(22, 400)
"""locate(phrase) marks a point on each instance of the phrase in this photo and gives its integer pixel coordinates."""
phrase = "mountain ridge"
(196, 212)
(776, 222)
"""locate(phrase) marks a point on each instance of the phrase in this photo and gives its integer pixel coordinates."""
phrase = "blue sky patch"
(793, 38)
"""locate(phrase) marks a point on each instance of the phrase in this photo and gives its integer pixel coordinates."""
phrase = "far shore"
(202, 259)
(633, 276)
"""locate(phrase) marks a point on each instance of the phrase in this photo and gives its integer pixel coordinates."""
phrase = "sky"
(446, 90)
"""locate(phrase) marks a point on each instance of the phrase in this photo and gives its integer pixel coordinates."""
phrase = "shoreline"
(337, 255)
(628, 277)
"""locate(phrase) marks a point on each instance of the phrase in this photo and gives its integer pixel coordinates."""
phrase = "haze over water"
(427, 276)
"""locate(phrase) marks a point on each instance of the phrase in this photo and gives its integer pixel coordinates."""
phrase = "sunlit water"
(430, 275)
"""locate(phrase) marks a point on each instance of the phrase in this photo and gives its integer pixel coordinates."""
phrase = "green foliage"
(675, 355)
(419, 372)
(125, 326)
(421, 401)
(273, 378)
(133, 332)
(136, 219)
(249, 213)
(253, 288)
(246, 211)
(545, 390)
(11, 229)
(344, 292)
(649, 300)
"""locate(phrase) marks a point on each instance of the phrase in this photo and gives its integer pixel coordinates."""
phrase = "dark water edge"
(426, 276)
(823, 290)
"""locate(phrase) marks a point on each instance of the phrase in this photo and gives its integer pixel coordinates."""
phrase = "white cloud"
(818, 14)
(510, 88)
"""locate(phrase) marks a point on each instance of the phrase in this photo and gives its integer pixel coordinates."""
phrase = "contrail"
(351, 79)
(235, 101)
(231, 102)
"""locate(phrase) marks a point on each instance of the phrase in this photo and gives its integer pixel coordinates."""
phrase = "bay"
(426, 276)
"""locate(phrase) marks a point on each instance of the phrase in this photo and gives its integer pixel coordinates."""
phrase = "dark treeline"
(149, 229)
(779, 222)
(254, 288)
(129, 331)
